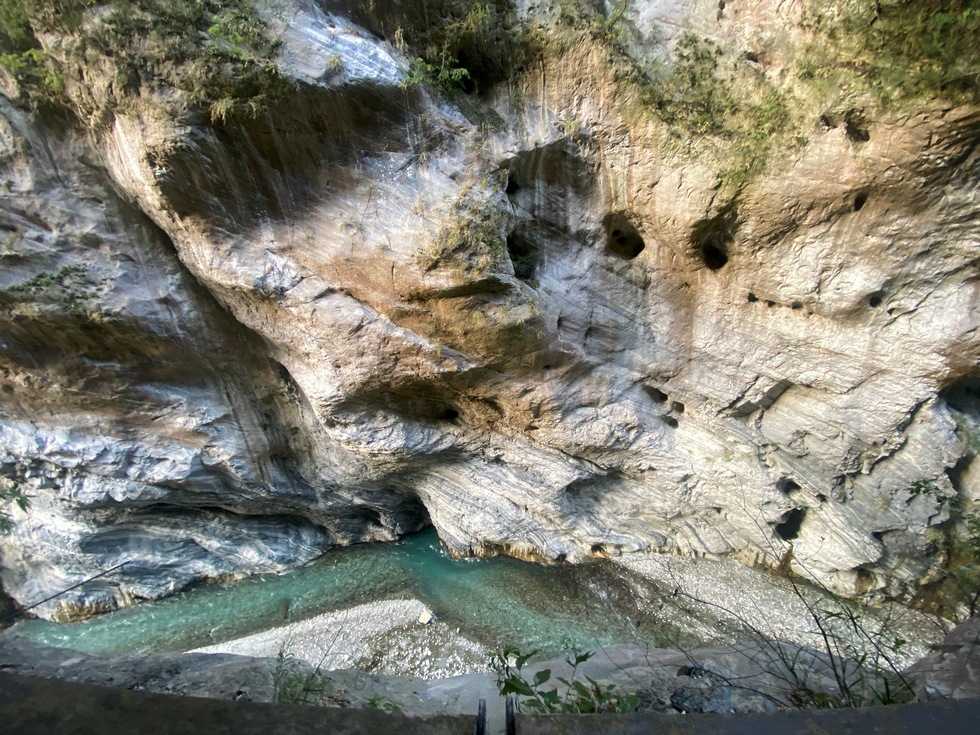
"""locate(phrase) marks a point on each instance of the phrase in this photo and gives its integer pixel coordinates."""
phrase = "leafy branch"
(578, 697)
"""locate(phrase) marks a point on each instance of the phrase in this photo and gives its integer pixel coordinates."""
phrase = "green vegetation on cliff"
(900, 49)
(221, 53)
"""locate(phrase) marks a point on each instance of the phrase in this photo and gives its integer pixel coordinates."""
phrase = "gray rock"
(953, 671)
(225, 348)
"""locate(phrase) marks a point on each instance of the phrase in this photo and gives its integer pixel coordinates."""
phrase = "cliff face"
(573, 320)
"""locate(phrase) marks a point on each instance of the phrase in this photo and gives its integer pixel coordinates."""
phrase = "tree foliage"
(221, 53)
(902, 48)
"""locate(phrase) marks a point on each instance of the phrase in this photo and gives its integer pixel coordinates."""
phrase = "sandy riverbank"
(385, 637)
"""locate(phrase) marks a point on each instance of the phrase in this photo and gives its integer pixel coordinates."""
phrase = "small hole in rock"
(677, 407)
(597, 549)
(512, 187)
(789, 529)
(671, 422)
(821, 498)
(625, 239)
(874, 300)
(787, 485)
(855, 126)
(655, 393)
(796, 305)
(770, 304)
(860, 200)
(560, 558)
(714, 257)
(523, 253)
(752, 298)
(546, 367)
(449, 414)
(711, 237)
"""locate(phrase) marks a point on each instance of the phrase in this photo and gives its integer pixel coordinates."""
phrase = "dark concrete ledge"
(947, 717)
(30, 706)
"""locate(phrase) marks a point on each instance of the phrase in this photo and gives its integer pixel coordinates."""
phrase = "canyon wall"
(542, 310)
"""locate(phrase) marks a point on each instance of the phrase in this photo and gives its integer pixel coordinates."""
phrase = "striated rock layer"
(553, 328)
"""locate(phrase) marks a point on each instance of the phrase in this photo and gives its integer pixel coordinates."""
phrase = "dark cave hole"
(449, 414)
(796, 305)
(479, 77)
(677, 407)
(367, 516)
(874, 300)
(512, 186)
(963, 396)
(787, 485)
(671, 422)
(656, 394)
(712, 237)
(821, 498)
(770, 304)
(560, 558)
(597, 549)
(789, 529)
(524, 254)
(624, 240)
(865, 580)
(714, 257)
(855, 127)
(752, 298)
(860, 200)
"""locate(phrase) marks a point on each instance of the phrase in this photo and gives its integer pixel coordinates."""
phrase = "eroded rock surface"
(556, 332)
(953, 670)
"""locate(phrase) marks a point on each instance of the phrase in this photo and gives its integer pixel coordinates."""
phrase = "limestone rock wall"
(554, 334)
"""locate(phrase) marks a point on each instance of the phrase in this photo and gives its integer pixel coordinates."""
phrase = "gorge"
(559, 279)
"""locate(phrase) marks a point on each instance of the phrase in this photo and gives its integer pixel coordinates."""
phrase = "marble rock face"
(226, 347)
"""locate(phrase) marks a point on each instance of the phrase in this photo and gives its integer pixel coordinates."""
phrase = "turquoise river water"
(498, 601)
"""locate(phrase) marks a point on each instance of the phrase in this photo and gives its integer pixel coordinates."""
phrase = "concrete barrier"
(31, 706)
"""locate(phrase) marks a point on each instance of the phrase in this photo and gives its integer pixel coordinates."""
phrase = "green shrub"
(220, 52)
(68, 287)
(588, 697)
(386, 704)
(460, 46)
(900, 49)
(693, 95)
(293, 683)
(9, 493)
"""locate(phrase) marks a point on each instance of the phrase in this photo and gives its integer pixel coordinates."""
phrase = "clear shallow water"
(496, 602)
